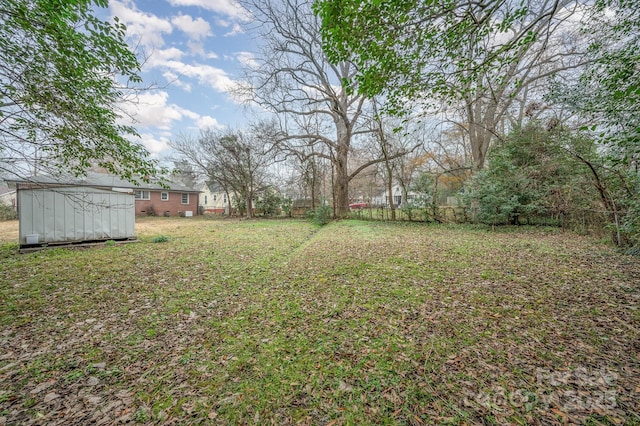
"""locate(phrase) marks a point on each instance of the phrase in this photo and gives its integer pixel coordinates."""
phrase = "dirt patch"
(9, 231)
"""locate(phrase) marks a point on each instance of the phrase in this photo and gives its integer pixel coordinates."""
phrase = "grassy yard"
(282, 322)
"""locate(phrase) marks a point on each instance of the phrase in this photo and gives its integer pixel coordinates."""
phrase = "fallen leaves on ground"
(282, 322)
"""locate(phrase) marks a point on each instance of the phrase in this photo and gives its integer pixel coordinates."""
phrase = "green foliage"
(609, 89)
(8, 212)
(160, 239)
(608, 96)
(269, 202)
(286, 204)
(631, 222)
(623, 187)
(410, 209)
(434, 48)
(634, 251)
(425, 186)
(534, 176)
(240, 204)
(59, 73)
(321, 215)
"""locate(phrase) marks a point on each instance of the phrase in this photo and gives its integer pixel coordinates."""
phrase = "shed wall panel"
(74, 214)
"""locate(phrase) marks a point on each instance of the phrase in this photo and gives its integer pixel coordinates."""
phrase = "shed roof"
(101, 180)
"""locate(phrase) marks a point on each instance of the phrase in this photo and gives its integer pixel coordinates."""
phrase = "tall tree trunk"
(229, 206)
(481, 129)
(314, 179)
(390, 191)
(249, 205)
(341, 184)
(387, 164)
(480, 141)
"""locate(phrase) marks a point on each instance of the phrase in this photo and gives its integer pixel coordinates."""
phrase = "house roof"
(213, 187)
(103, 180)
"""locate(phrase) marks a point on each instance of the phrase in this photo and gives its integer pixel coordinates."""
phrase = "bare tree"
(480, 55)
(292, 77)
(512, 89)
(390, 143)
(236, 160)
(309, 175)
(183, 173)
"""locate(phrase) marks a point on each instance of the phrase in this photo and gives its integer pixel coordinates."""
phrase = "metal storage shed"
(67, 211)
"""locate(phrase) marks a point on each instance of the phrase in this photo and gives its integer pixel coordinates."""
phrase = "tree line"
(524, 110)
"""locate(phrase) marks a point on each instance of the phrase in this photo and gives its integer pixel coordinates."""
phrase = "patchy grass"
(282, 322)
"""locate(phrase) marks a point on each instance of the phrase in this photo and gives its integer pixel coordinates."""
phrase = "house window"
(205, 200)
(185, 198)
(224, 200)
(164, 196)
(142, 195)
(215, 197)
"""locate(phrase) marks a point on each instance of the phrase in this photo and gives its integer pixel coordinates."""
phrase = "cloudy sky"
(194, 51)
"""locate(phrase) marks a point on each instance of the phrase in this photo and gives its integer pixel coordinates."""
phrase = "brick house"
(177, 200)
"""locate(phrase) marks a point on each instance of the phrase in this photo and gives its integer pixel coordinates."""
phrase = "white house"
(8, 196)
(382, 199)
(213, 199)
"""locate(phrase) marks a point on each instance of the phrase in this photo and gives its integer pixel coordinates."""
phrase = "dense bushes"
(269, 203)
(321, 215)
(556, 177)
(8, 212)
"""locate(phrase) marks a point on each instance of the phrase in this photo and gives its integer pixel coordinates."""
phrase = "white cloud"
(222, 22)
(188, 113)
(201, 121)
(151, 110)
(196, 29)
(146, 27)
(206, 74)
(236, 29)
(207, 122)
(226, 7)
(174, 80)
(174, 69)
(154, 145)
(247, 59)
(196, 48)
(161, 56)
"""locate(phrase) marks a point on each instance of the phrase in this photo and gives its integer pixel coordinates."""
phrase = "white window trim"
(162, 196)
(182, 198)
(139, 194)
